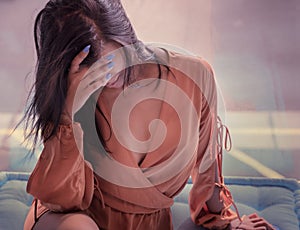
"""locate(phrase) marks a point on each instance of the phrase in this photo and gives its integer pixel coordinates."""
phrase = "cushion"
(277, 200)
(14, 201)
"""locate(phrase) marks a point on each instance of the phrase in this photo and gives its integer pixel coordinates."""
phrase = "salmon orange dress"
(158, 133)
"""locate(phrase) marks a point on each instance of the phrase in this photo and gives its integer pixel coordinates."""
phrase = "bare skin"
(252, 221)
(70, 221)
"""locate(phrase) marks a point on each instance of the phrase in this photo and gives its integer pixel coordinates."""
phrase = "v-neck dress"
(171, 122)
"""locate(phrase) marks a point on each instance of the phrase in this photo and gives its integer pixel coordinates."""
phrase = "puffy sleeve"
(62, 180)
(208, 187)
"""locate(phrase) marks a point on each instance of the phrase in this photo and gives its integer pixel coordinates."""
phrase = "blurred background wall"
(253, 46)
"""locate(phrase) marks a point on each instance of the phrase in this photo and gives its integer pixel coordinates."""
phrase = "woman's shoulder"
(181, 59)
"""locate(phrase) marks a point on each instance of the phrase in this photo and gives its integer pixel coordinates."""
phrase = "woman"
(124, 125)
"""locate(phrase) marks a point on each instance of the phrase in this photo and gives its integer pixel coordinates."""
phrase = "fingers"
(253, 215)
(115, 61)
(98, 76)
(74, 68)
(257, 222)
(88, 80)
(100, 69)
(249, 226)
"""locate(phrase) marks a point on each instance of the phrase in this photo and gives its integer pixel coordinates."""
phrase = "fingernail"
(108, 76)
(110, 57)
(87, 49)
(110, 65)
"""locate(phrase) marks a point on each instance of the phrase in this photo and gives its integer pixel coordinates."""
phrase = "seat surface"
(277, 200)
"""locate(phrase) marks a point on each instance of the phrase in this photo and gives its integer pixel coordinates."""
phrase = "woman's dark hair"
(62, 29)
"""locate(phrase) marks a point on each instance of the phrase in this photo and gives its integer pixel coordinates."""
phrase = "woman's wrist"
(215, 204)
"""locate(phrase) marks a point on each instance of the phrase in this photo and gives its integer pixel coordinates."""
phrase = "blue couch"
(277, 200)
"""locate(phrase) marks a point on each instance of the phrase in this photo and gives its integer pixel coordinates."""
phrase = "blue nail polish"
(87, 49)
(110, 65)
(110, 57)
(108, 76)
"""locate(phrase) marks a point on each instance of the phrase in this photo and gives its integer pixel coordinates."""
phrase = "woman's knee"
(69, 221)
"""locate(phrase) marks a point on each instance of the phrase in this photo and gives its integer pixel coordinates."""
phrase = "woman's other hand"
(251, 222)
(84, 81)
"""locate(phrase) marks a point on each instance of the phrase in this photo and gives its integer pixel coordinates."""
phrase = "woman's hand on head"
(84, 81)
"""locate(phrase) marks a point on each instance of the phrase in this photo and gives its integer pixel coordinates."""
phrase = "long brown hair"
(62, 29)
